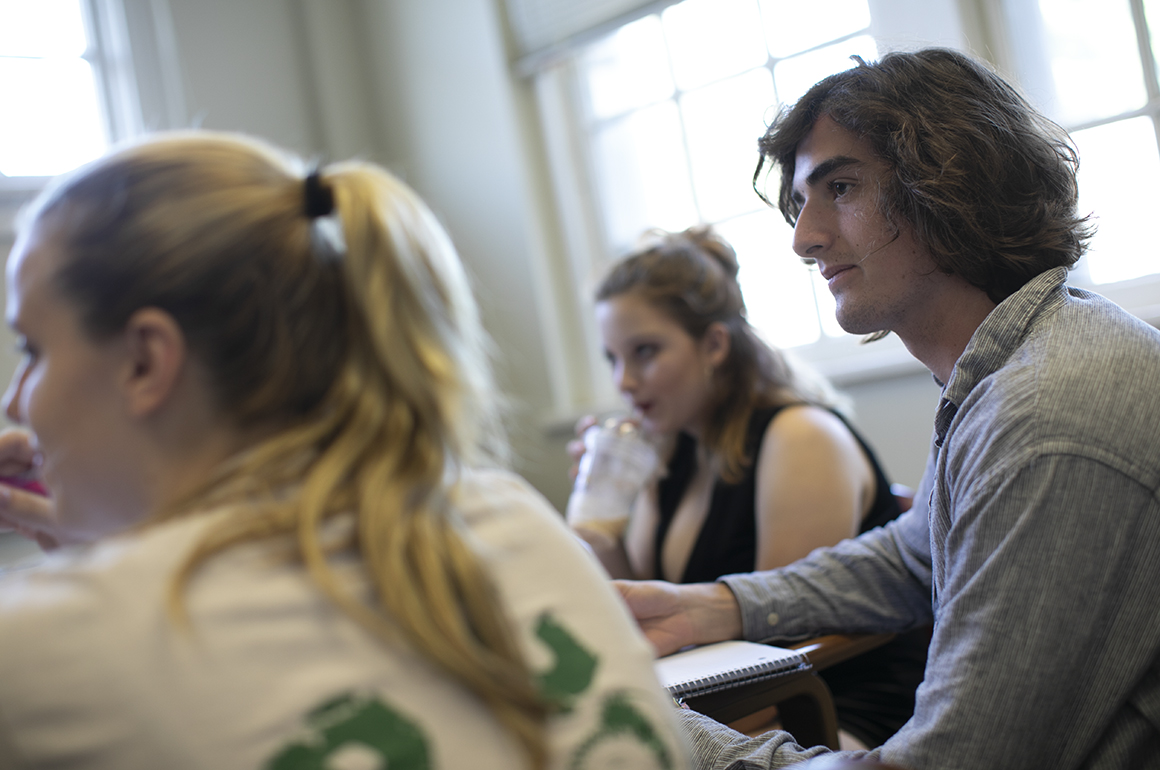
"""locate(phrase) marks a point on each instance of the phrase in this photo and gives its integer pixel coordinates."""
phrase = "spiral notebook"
(720, 666)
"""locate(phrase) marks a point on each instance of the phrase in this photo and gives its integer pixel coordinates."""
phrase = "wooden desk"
(804, 705)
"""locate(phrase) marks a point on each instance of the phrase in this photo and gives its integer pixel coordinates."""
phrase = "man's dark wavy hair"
(987, 183)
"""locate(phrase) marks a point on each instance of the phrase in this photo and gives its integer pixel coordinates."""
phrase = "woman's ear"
(156, 358)
(716, 343)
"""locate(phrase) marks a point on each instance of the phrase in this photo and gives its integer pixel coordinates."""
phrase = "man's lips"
(830, 271)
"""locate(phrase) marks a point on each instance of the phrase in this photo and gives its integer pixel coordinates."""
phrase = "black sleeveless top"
(874, 692)
(727, 542)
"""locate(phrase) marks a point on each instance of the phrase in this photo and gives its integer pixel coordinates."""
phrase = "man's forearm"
(717, 747)
(875, 583)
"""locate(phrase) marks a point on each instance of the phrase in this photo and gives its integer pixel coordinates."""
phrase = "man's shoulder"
(1088, 353)
(1082, 380)
(1086, 313)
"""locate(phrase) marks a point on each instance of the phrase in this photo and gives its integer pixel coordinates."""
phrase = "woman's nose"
(12, 397)
(12, 394)
(624, 379)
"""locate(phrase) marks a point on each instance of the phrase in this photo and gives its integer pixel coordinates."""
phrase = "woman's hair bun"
(710, 241)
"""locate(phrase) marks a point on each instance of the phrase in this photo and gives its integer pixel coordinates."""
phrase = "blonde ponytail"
(368, 373)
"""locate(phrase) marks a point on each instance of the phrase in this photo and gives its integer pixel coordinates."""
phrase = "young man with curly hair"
(941, 207)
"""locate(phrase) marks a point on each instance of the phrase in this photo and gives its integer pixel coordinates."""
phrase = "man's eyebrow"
(829, 166)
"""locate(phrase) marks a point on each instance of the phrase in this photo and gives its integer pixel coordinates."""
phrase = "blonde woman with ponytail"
(260, 402)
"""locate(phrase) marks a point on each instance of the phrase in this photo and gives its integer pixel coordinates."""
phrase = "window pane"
(655, 165)
(793, 77)
(723, 122)
(643, 175)
(59, 124)
(774, 283)
(628, 69)
(792, 26)
(41, 28)
(1095, 60)
(1123, 214)
(1152, 15)
(713, 39)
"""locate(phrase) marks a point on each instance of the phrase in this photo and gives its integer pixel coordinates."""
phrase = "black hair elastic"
(319, 197)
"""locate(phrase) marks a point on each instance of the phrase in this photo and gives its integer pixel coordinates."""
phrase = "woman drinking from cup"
(758, 468)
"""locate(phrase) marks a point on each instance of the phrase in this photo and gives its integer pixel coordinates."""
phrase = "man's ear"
(156, 358)
(716, 343)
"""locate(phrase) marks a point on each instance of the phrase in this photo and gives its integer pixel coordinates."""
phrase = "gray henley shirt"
(1034, 546)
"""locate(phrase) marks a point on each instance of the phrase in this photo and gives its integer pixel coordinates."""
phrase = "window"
(673, 104)
(652, 121)
(1098, 79)
(75, 76)
(49, 88)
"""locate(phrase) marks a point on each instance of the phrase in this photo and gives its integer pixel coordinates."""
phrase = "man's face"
(881, 277)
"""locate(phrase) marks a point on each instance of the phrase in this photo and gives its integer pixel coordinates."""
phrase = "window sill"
(846, 362)
(22, 185)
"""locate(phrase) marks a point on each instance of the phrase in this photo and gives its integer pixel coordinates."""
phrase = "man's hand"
(28, 513)
(674, 616)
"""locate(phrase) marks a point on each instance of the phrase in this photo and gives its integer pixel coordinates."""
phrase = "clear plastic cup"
(616, 464)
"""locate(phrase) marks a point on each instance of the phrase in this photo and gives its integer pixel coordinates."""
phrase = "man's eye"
(841, 188)
(646, 351)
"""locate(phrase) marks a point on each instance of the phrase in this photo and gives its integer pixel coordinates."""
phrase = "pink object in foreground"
(28, 485)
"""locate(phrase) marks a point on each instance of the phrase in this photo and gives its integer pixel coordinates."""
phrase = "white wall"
(458, 129)
(896, 416)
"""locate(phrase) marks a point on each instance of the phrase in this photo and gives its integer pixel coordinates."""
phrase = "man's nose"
(813, 231)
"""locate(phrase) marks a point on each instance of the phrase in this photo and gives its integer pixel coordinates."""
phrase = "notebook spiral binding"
(727, 679)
